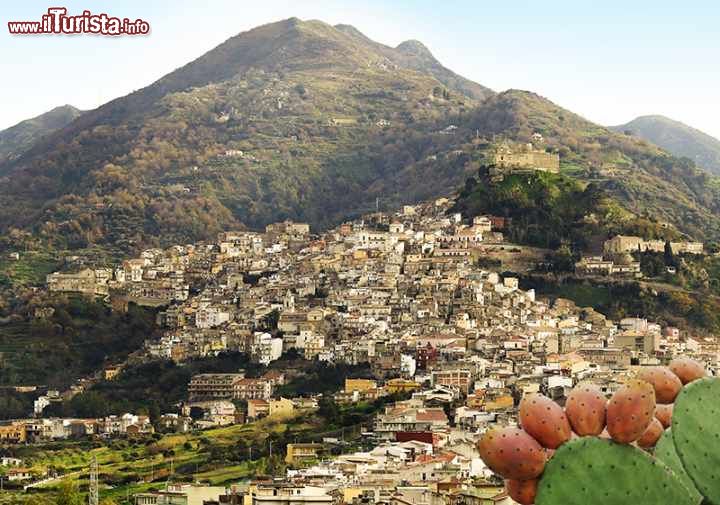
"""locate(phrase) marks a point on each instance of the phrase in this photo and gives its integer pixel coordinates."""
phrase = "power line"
(93, 497)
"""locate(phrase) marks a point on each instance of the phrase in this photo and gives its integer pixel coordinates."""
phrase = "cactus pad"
(696, 433)
(593, 471)
(665, 452)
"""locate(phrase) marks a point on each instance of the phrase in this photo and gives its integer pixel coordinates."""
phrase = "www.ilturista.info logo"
(56, 21)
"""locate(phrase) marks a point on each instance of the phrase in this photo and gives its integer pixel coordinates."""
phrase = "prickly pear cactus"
(665, 452)
(696, 433)
(593, 471)
(544, 420)
(630, 411)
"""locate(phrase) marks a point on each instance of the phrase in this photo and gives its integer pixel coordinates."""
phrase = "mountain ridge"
(415, 55)
(644, 178)
(677, 138)
(302, 98)
(302, 120)
(18, 138)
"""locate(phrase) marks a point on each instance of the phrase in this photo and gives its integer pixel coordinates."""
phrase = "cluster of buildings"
(13, 470)
(621, 265)
(621, 244)
(617, 259)
(422, 450)
(404, 293)
(38, 430)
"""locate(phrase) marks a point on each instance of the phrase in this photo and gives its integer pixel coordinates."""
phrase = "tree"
(669, 255)
(291, 354)
(270, 321)
(470, 183)
(69, 494)
(563, 260)
(652, 264)
(154, 414)
(328, 409)
(196, 413)
(274, 465)
(300, 88)
(89, 404)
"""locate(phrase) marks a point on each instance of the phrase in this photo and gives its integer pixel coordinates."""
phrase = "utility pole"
(93, 498)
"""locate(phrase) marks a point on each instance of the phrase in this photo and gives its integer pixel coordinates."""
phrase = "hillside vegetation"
(303, 120)
(677, 138)
(547, 210)
(639, 176)
(315, 120)
(74, 341)
(14, 141)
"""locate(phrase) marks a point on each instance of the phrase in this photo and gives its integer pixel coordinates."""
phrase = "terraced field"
(217, 456)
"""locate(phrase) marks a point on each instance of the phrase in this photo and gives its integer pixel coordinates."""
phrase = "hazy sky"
(609, 61)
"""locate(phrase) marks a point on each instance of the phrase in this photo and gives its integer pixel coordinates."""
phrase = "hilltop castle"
(523, 158)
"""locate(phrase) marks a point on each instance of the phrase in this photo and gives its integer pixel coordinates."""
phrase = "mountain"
(303, 120)
(414, 55)
(677, 138)
(291, 119)
(19, 138)
(640, 177)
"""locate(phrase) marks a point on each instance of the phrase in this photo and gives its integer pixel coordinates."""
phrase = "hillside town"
(455, 345)
(342, 253)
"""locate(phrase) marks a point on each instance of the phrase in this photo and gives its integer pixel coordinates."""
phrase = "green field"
(30, 270)
(126, 466)
(217, 456)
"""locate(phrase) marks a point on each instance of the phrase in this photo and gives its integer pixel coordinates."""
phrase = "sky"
(609, 61)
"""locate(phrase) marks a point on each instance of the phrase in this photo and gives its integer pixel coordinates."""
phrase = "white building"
(265, 348)
(290, 495)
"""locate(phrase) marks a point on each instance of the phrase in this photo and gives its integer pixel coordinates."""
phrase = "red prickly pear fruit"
(663, 413)
(512, 453)
(544, 420)
(666, 384)
(585, 409)
(522, 491)
(630, 411)
(652, 434)
(687, 369)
